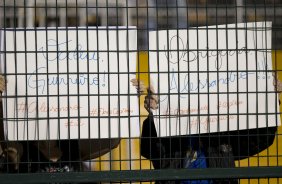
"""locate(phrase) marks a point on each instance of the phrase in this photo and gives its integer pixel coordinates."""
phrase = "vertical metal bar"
(88, 85)
(118, 71)
(108, 75)
(237, 20)
(98, 2)
(68, 142)
(247, 83)
(79, 119)
(154, 6)
(47, 70)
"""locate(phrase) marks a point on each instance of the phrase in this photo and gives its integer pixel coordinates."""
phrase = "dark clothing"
(244, 143)
(221, 148)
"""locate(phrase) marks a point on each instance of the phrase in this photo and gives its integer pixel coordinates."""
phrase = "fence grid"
(158, 91)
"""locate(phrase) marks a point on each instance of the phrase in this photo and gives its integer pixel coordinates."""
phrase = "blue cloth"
(195, 159)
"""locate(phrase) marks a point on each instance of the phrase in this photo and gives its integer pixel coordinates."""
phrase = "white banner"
(213, 79)
(70, 83)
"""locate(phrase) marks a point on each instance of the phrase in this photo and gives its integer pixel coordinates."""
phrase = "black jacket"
(244, 143)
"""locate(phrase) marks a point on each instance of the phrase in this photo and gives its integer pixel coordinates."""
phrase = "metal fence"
(162, 91)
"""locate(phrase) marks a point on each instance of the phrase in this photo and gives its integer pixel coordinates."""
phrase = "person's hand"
(13, 156)
(277, 83)
(151, 101)
(2, 83)
(139, 85)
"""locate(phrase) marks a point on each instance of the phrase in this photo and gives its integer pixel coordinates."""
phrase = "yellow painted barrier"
(272, 156)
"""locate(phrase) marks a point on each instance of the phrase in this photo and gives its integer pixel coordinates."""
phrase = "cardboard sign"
(71, 83)
(213, 79)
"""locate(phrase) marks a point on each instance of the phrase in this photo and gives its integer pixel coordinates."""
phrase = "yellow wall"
(273, 155)
(127, 155)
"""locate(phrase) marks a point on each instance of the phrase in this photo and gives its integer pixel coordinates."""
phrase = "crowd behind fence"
(156, 91)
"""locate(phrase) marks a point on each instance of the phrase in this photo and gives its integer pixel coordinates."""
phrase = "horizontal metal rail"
(144, 175)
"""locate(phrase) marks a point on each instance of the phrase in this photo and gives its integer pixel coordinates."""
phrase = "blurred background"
(145, 14)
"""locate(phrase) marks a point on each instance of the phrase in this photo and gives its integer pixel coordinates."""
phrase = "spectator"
(10, 152)
(212, 150)
(49, 155)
